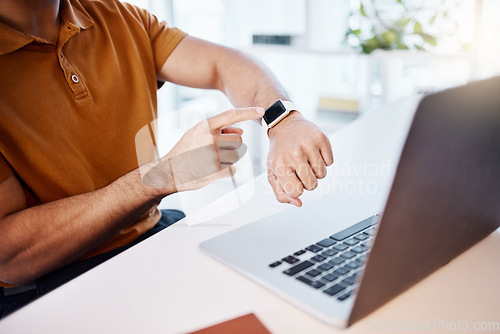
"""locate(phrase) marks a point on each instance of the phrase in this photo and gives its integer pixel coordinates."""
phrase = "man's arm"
(299, 151)
(37, 240)
(40, 239)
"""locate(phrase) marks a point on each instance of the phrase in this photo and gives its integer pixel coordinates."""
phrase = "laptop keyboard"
(332, 265)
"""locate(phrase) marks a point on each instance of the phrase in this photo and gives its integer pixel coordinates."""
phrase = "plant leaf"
(417, 29)
(433, 19)
(369, 45)
(403, 22)
(429, 39)
(362, 10)
(389, 36)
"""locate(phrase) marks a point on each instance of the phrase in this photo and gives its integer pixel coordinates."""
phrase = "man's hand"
(206, 152)
(299, 151)
(298, 156)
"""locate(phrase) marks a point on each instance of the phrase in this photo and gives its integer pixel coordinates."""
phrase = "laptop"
(445, 197)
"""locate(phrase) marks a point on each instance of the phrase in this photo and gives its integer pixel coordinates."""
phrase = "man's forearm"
(40, 239)
(246, 81)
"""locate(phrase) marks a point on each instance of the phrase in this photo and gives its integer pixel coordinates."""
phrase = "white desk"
(166, 285)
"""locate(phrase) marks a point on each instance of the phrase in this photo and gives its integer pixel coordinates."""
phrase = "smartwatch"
(275, 113)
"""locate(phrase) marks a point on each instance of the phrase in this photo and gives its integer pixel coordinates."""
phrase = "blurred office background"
(337, 59)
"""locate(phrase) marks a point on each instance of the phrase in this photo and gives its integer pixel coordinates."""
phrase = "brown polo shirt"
(69, 113)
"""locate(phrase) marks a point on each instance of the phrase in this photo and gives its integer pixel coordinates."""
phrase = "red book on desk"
(247, 324)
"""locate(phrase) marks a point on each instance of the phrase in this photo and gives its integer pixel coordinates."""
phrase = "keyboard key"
(275, 264)
(348, 255)
(350, 242)
(298, 268)
(358, 249)
(300, 252)
(340, 247)
(348, 280)
(317, 284)
(329, 252)
(346, 268)
(340, 271)
(290, 259)
(369, 231)
(352, 265)
(318, 258)
(334, 289)
(361, 237)
(314, 284)
(330, 277)
(336, 260)
(325, 266)
(313, 273)
(326, 242)
(314, 248)
(304, 279)
(362, 258)
(351, 279)
(353, 229)
(344, 296)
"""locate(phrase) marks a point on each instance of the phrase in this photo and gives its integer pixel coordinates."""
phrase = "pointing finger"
(231, 116)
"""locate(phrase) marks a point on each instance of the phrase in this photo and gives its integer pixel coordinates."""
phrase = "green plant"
(396, 24)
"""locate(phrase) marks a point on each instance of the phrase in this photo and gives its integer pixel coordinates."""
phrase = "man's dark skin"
(35, 17)
(34, 241)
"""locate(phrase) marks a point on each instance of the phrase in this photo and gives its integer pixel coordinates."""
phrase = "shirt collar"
(72, 12)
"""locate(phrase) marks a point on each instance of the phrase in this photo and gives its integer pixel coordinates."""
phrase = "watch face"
(273, 112)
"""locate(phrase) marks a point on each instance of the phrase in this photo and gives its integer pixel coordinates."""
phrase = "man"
(78, 80)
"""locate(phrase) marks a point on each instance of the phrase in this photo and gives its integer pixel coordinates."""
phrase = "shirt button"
(75, 79)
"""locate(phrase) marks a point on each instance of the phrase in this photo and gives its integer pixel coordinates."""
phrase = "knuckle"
(298, 192)
(293, 189)
(311, 185)
(234, 156)
(238, 142)
(320, 173)
(319, 137)
(279, 169)
(229, 156)
(296, 154)
(308, 186)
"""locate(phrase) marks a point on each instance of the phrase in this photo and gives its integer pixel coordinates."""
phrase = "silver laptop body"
(445, 197)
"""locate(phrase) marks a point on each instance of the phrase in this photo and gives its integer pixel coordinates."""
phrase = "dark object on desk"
(247, 324)
(272, 39)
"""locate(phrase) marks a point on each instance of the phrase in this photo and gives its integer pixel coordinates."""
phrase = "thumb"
(231, 116)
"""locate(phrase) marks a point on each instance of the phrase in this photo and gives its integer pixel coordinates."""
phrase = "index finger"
(326, 152)
(231, 116)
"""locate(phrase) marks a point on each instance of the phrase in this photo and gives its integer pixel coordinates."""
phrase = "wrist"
(156, 179)
(293, 116)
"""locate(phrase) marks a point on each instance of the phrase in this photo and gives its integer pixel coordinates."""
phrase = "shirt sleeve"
(164, 39)
(5, 170)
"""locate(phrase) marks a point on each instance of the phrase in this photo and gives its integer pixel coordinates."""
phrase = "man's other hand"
(298, 156)
(206, 152)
